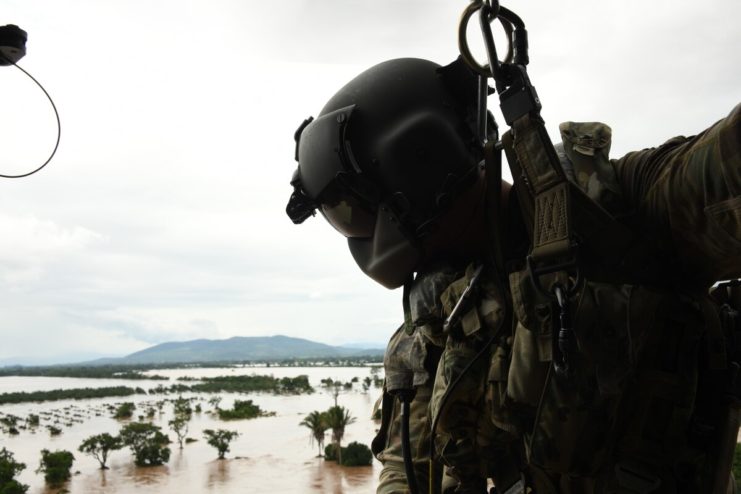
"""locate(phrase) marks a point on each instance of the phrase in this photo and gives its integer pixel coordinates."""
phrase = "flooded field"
(271, 455)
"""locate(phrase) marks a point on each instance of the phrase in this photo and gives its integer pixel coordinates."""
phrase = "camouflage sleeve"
(688, 191)
(405, 366)
(393, 479)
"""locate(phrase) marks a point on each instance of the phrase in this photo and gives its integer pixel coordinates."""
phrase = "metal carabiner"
(489, 12)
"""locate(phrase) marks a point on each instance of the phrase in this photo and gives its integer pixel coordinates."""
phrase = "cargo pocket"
(496, 393)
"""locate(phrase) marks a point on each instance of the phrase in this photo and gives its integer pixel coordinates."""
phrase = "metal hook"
(490, 12)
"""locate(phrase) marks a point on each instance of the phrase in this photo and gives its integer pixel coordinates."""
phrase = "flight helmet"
(386, 157)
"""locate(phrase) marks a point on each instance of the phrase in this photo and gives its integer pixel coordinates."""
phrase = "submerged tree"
(220, 440)
(181, 408)
(338, 417)
(99, 446)
(317, 424)
(179, 426)
(55, 465)
(9, 468)
(125, 410)
(215, 401)
(147, 443)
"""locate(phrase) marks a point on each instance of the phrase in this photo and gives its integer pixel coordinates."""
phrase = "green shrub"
(147, 443)
(56, 466)
(9, 468)
(330, 452)
(99, 447)
(737, 463)
(220, 439)
(241, 410)
(124, 410)
(356, 455)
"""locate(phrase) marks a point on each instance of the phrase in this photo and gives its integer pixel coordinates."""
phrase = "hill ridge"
(239, 348)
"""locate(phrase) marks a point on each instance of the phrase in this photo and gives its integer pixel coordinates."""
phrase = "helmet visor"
(348, 213)
(321, 151)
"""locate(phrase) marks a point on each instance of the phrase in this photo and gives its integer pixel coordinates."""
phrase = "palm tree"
(317, 424)
(338, 418)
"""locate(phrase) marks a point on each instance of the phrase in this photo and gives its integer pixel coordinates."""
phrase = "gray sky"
(162, 216)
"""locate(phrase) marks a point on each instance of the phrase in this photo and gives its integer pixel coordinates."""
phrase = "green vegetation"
(240, 384)
(356, 455)
(99, 446)
(89, 372)
(245, 384)
(181, 408)
(330, 452)
(220, 440)
(55, 466)
(147, 443)
(66, 394)
(124, 411)
(316, 422)
(337, 418)
(181, 415)
(242, 410)
(9, 468)
(215, 401)
(32, 420)
(737, 463)
(9, 424)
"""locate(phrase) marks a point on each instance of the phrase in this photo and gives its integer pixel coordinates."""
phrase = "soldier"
(610, 371)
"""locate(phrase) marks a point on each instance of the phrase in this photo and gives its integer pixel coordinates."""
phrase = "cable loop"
(56, 115)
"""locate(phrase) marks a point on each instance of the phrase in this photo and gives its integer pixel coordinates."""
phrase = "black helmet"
(386, 157)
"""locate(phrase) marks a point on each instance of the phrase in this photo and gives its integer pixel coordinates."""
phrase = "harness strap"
(559, 216)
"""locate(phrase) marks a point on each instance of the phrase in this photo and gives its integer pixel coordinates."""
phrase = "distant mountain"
(239, 348)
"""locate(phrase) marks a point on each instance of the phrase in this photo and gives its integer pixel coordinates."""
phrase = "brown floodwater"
(271, 455)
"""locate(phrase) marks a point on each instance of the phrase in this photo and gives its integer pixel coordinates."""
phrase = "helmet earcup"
(389, 257)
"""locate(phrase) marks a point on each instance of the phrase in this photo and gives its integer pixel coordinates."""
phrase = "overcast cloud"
(162, 216)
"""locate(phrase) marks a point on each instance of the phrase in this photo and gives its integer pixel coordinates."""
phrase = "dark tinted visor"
(350, 215)
(321, 151)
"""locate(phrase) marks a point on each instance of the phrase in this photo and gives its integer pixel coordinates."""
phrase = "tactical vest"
(627, 418)
(641, 408)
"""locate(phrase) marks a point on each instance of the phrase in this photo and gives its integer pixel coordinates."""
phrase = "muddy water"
(271, 455)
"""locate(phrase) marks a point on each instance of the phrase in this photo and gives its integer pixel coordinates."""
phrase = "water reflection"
(218, 473)
(329, 477)
(146, 476)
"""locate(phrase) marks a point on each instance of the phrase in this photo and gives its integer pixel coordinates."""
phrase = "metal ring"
(465, 51)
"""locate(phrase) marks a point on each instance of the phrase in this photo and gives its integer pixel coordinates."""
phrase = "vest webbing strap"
(556, 211)
(544, 178)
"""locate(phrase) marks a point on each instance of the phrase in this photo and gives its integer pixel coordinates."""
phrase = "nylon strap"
(493, 164)
(541, 170)
(556, 211)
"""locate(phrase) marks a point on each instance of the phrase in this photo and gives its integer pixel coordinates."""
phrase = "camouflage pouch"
(464, 430)
(584, 155)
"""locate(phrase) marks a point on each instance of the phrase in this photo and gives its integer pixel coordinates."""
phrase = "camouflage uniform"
(627, 421)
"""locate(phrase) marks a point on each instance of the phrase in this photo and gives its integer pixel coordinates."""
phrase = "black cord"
(56, 114)
(406, 448)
